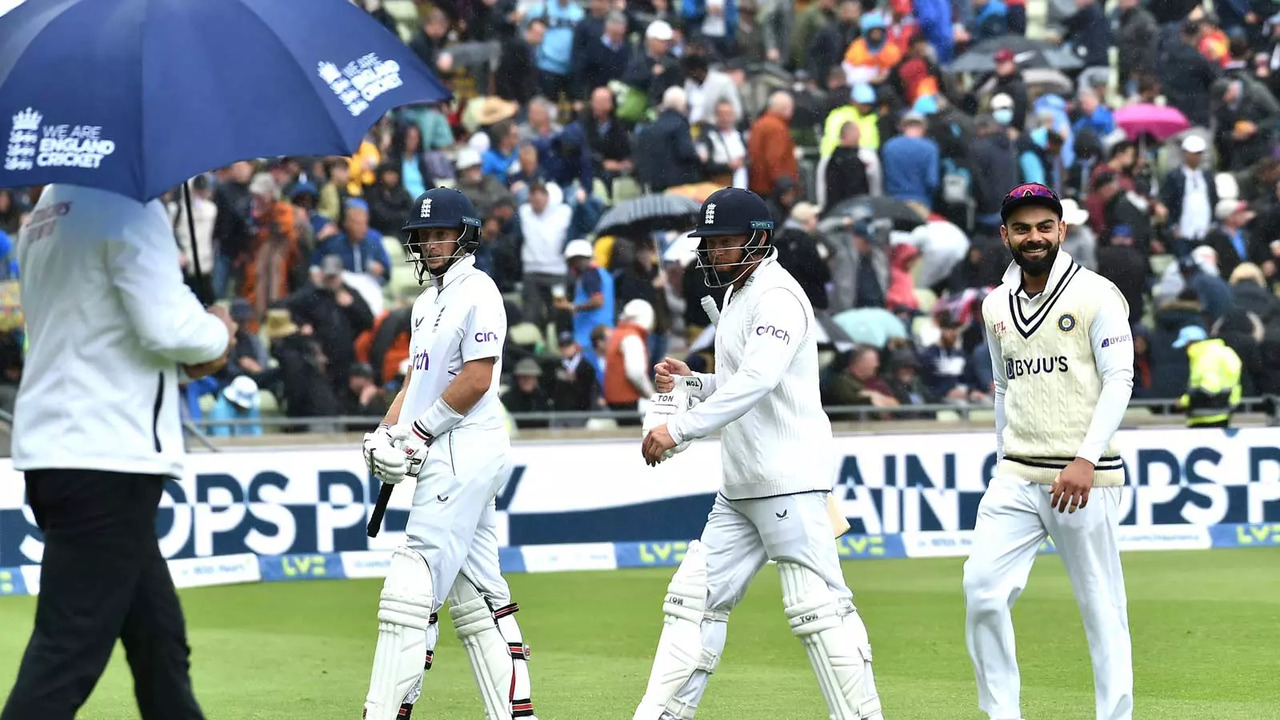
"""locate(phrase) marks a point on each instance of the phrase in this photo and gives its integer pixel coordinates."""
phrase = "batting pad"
(836, 641)
(404, 617)
(486, 649)
(681, 650)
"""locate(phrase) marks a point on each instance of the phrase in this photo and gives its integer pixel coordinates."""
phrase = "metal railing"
(1268, 408)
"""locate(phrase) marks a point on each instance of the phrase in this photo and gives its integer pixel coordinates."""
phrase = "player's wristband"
(437, 420)
(421, 433)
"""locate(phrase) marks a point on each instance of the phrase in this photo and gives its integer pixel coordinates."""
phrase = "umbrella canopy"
(136, 96)
(829, 332)
(903, 216)
(1027, 53)
(1160, 121)
(1039, 81)
(647, 214)
(871, 326)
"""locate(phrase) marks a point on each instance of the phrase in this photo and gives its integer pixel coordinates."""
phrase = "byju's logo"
(710, 217)
(426, 208)
(772, 331)
(1108, 342)
(1017, 367)
(486, 337)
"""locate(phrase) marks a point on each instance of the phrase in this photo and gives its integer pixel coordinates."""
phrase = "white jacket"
(544, 238)
(108, 321)
(776, 438)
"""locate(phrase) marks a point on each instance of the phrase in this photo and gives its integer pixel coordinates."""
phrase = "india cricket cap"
(1030, 194)
(732, 211)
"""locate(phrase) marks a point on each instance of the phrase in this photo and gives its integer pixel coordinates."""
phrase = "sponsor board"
(287, 503)
(243, 568)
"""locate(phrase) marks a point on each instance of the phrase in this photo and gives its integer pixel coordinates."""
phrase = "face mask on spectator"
(1002, 116)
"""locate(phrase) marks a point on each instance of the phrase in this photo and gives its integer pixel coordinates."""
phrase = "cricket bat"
(839, 525)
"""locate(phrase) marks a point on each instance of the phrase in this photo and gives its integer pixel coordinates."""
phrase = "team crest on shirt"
(1067, 322)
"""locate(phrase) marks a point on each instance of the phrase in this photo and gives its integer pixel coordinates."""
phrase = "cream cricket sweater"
(1063, 367)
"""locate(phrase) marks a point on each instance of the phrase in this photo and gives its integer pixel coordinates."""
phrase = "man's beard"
(1035, 267)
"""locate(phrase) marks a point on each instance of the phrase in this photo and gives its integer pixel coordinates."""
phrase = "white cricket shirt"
(109, 320)
(776, 438)
(458, 318)
(1063, 368)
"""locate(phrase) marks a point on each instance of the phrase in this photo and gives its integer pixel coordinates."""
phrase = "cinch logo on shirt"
(1017, 367)
(1116, 340)
(421, 360)
(486, 337)
(777, 332)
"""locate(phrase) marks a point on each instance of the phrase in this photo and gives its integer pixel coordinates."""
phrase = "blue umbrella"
(136, 96)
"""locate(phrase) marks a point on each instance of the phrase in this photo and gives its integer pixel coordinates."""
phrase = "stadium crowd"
(884, 161)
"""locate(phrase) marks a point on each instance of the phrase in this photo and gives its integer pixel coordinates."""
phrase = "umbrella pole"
(195, 249)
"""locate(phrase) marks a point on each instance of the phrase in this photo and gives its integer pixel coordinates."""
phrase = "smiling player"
(446, 430)
(1062, 357)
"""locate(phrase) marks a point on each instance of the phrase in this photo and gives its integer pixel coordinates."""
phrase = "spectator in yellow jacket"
(1213, 390)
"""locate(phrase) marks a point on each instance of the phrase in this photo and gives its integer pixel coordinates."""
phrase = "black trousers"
(102, 578)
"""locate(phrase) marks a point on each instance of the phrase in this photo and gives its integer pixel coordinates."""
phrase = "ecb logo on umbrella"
(23, 140)
(360, 81)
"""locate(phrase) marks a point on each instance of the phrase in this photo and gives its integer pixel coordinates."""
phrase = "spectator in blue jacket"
(934, 19)
(555, 54)
(990, 20)
(500, 159)
(910, 163)
(1094, 116)
(359, 245)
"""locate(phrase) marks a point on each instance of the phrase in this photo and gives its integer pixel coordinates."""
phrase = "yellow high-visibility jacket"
(1214, 387)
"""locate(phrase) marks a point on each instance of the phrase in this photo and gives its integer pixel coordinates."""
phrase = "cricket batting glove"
(663, 407)
(385, 461)
(413, 440)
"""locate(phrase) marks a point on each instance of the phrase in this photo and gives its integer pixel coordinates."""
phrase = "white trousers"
(740, 537)
(453, 523)
(1013, 519)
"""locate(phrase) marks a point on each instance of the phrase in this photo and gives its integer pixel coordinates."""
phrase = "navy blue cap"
(732, 211)
(442, 208)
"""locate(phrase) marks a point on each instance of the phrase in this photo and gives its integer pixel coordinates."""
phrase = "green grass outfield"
(1206, 630)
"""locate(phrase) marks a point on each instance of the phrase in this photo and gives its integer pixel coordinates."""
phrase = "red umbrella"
(1160, 121)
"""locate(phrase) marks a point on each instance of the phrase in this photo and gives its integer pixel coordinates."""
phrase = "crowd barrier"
(270, 514)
